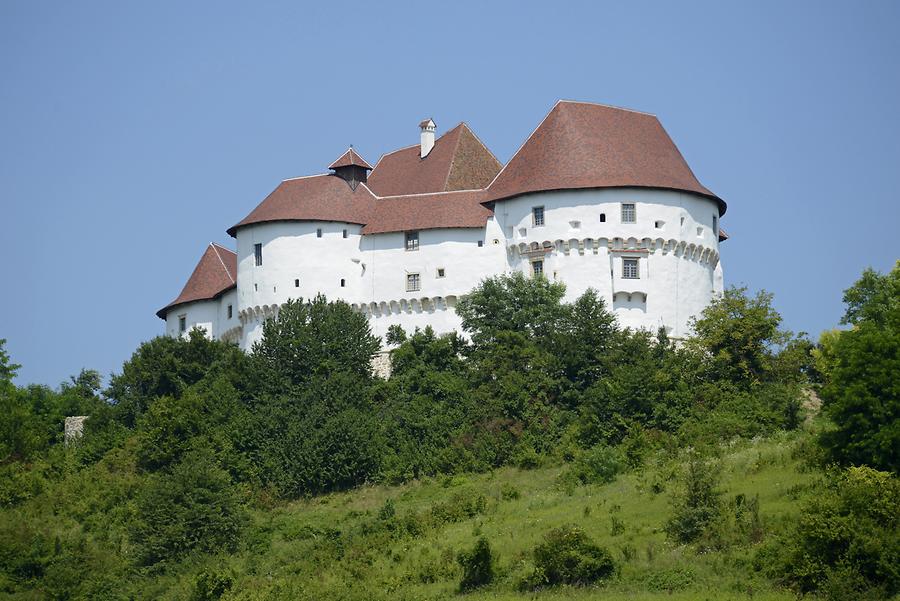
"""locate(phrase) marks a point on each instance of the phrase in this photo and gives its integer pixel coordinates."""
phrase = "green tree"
(862, 393)
(740, 334)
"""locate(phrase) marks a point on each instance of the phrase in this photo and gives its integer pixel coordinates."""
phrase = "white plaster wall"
(679, 265)
(199, 314)
(673, 238)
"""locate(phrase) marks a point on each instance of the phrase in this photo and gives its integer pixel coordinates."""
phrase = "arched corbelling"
(631, 243)
(618, 243)
(560, 245)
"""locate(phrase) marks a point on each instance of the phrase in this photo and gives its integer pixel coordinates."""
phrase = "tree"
(862, 394)
(740, 334)
(8, 369)
(313, 339)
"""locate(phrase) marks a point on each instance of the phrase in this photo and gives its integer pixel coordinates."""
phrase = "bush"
(845, 542)
(697, 504)
(193, 507)
(478, 566)
(568, 556)
(210, 585)
(598, 465)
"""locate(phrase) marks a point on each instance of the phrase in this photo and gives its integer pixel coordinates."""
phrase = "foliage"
(697, 504)
(862, 393)
(598, 465)
(211, 585)
(193, 507)
(477, 564)
(846, 540)
(568, 556)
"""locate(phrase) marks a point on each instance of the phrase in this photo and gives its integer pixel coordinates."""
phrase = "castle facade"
(597, 197)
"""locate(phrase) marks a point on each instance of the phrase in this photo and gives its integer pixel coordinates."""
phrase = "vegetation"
(292, 472)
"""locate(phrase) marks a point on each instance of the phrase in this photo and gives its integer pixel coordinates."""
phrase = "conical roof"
(585, 145)
(350, 158)
(215, 273)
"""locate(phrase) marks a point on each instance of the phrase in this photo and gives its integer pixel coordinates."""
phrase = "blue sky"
(133, 134)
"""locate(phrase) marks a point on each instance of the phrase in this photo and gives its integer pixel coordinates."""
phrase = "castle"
(597, 197)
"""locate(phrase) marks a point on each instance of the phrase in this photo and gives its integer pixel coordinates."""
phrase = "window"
(699, 231)
(537, 267)
(660, 224)
(715, 225)
(343, 282)
(413, 283)
(255, 287)
(630, 269)
(628, 213)
(345, 233)
(230, 312)
(537, 216)
(182, 324)
(480, 243)
(602, 217)
(412, 241)
(440, 272)
(575, 225)
(297, 283)
(257, 253)
(319, 233)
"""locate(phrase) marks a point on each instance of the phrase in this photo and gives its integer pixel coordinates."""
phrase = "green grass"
(337, 547)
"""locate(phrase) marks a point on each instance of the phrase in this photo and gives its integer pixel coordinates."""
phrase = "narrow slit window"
(413, 282)
(343, 282)
(230, 311)
(629, 214)
(537, 216)
(257, 254)
(412, 240)
(715, 225)
(440, 272)
(345, 233)
(630, 269)
(480, 243)
(319, 233)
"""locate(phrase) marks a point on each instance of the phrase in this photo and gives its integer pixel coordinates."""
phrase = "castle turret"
(352, 168)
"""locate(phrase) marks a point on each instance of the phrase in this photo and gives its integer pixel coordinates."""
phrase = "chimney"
(427, 127)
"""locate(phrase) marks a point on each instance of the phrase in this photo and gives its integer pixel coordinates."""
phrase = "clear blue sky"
(133, 134)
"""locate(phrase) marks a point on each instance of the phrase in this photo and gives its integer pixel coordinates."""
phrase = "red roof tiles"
(215, 273)
(313, 198)
(427, 211)
(349, 159)
(458, 161)
(583, 145)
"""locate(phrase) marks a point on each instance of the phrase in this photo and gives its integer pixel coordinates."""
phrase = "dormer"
(352, 168)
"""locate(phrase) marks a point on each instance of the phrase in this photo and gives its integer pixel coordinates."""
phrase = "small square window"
(413, 283)
(629, 214)
(537, 216)
(630, 269)
(182, 324)
(230, 311)
(480, 243)
(345, 233)
(319, 233)
(440, 272)
(257, 254)
(537, 267)
(412, 240)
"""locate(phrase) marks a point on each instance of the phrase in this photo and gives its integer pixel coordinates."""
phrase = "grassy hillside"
(401, 542)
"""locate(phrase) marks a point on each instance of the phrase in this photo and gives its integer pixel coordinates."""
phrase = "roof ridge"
(522, 145)
(609, 106)
(453, 154)
(290, 179)
(219, 257)
(427, 193)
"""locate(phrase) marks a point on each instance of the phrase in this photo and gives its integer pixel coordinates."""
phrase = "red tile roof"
(349, 159)
(583, 145)
(215, 273)
(313, 198)
(458, 161)
(427, 211)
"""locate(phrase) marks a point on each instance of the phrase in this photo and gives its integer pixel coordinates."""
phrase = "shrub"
(845, 542)
(598, 465)
(697, 504)
(671, 580)
(210, 585)
(568, 556)
(478, 565)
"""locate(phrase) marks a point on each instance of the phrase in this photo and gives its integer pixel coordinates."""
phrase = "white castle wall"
(673, 238)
